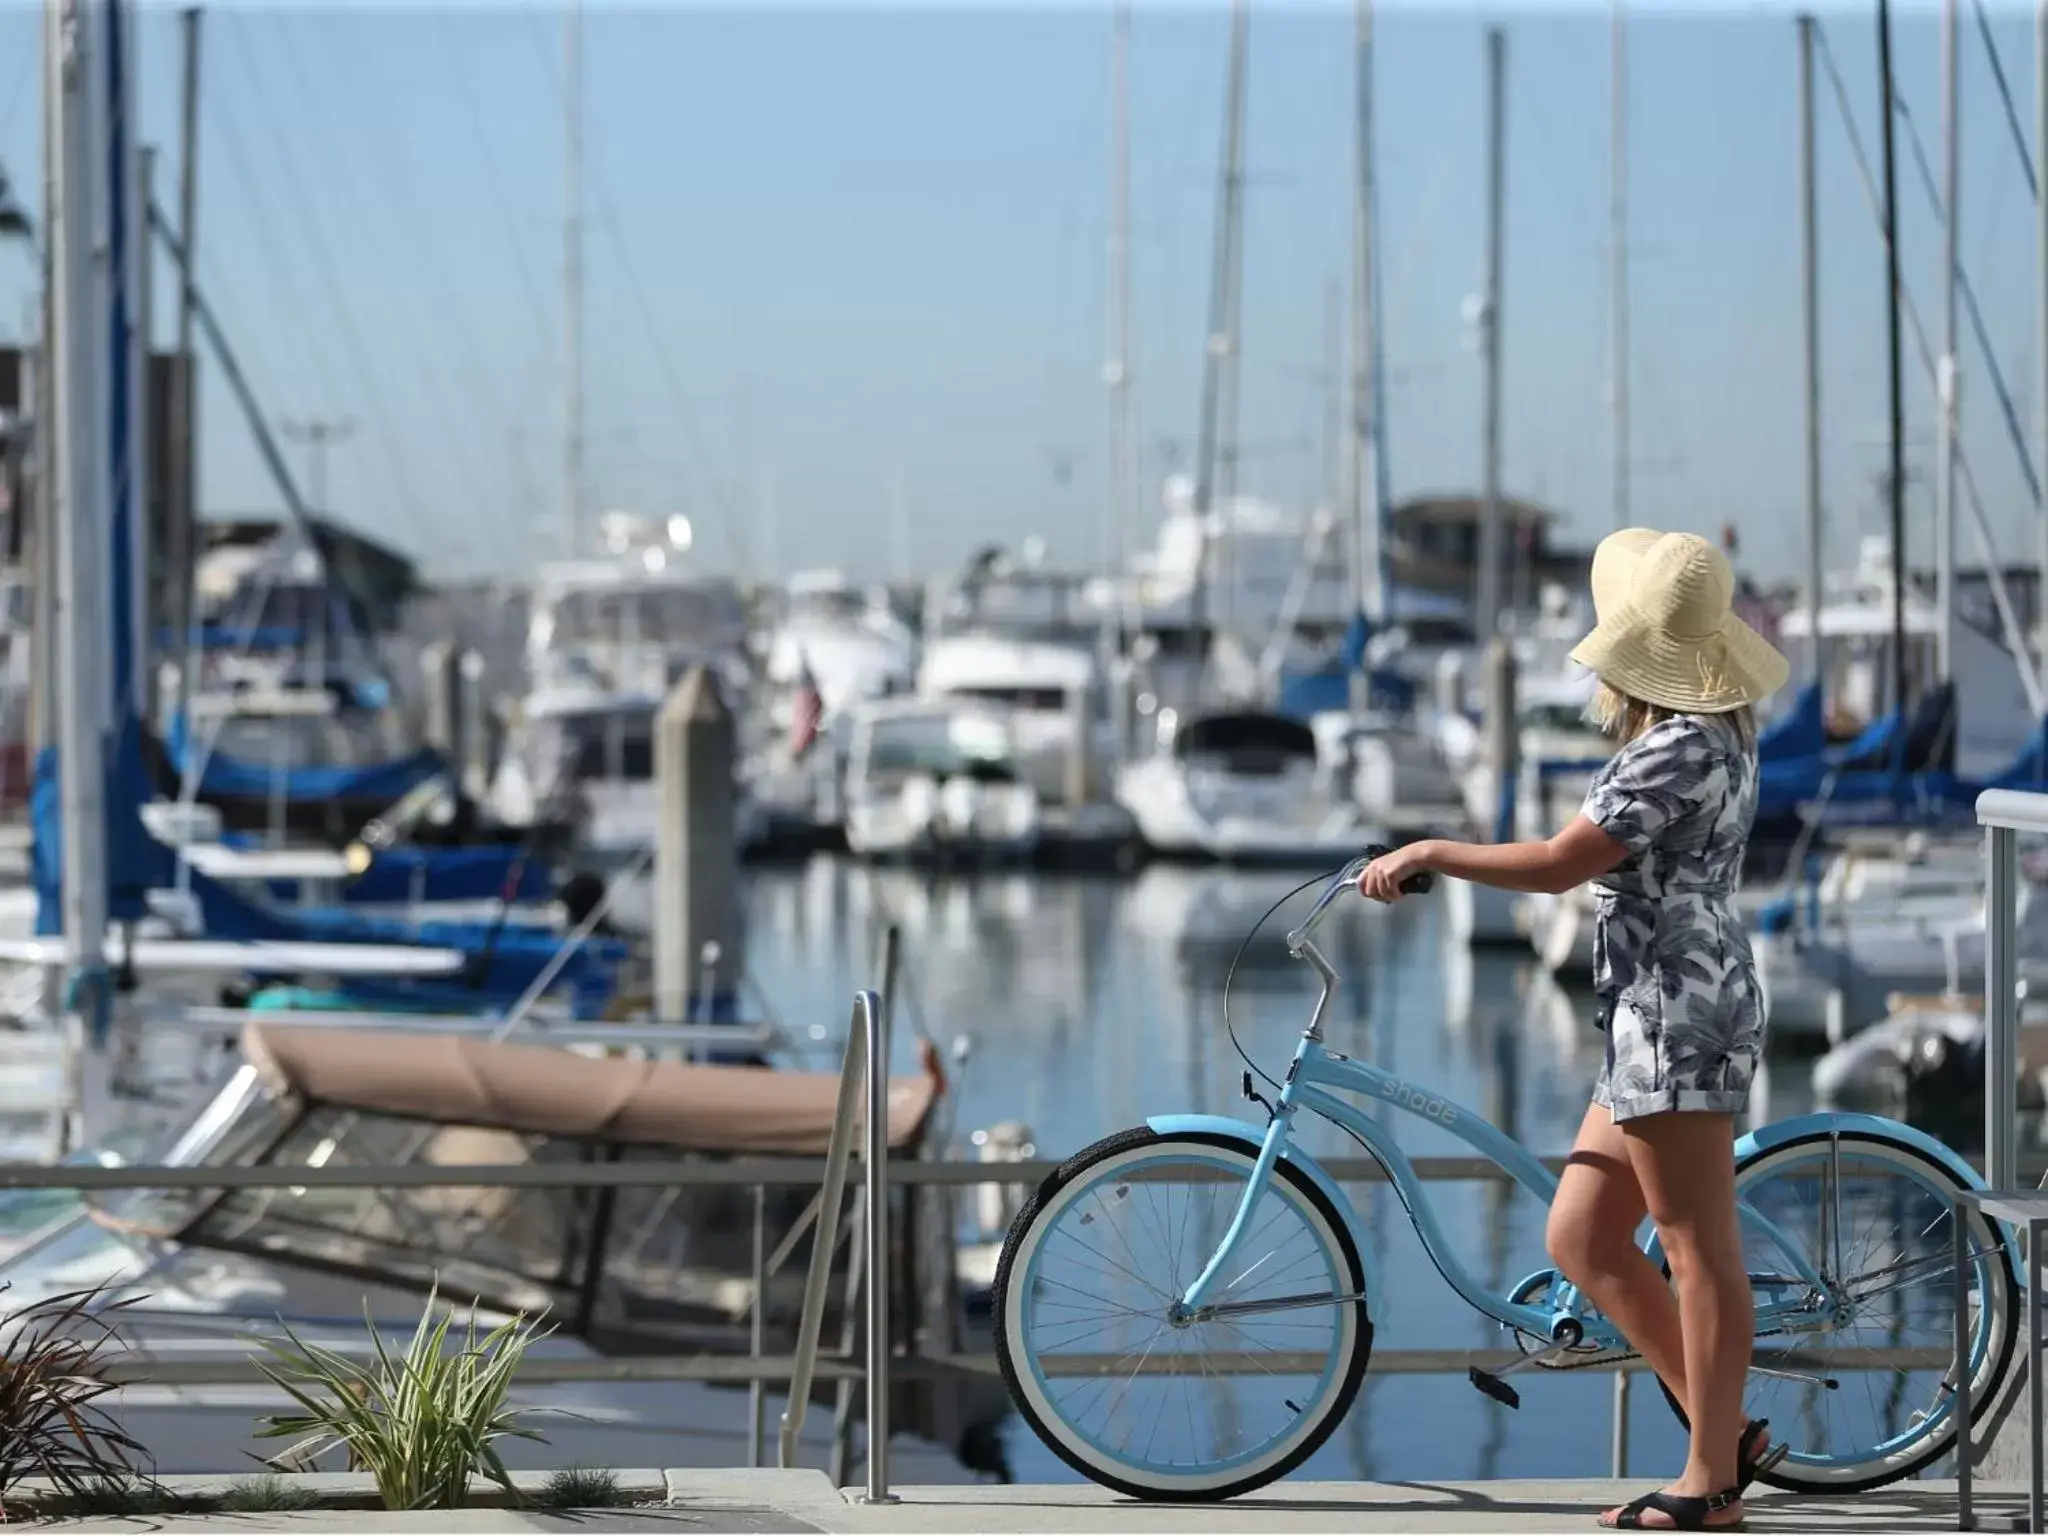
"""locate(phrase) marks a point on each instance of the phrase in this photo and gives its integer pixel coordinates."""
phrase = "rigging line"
(1969, 297)
(452, 312)
(474, 471)
(345, 316)
(473, 111)
(2012, 113)
(652, 330)
(222, 129)
(342, 317)
(2001, 599)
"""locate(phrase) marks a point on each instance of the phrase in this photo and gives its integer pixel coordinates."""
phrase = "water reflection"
(1089, 1003)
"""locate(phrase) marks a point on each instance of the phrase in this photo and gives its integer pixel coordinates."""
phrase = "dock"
(805, 1501)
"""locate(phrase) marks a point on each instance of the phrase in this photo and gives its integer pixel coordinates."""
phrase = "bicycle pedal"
(1494, 1387)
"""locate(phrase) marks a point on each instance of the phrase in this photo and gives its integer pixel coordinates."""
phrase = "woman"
(1663, 832)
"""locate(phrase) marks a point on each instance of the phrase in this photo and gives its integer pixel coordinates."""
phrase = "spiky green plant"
(421, 1423)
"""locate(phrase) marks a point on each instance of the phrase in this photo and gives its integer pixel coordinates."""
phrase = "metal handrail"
(743, 1172)
(2004, 814)
(867, 1056)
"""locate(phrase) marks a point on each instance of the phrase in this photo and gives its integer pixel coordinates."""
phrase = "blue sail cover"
(452, 874)
(1800, 731)
(230, 778)
(1328, 689)
(136, 862)
(505, 959)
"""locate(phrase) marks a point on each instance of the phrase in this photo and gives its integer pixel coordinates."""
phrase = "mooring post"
(696, 855)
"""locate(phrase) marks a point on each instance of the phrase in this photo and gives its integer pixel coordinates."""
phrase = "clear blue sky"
(838, 248)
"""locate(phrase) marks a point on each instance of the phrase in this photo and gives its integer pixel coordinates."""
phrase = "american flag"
(806, 712)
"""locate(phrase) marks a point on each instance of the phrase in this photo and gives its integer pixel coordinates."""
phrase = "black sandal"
(1687, 1513)
(1748, 1468)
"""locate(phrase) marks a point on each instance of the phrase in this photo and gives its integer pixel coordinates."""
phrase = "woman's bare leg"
(1685, 1166)
(1592, 1239)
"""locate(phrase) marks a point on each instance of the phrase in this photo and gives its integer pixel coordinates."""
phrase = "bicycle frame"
(1313, 1080)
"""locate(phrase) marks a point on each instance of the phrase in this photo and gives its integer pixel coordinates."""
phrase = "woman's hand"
(1381, 880)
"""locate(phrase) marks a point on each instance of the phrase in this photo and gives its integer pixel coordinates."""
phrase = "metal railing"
(806, 1366)
(2004, 814)
(867, 1058)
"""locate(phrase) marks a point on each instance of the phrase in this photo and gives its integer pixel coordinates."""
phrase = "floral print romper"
(1679, 997)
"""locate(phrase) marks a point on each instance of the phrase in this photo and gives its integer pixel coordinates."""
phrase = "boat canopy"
(545, 1091)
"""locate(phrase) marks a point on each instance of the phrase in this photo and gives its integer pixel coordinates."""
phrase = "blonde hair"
(1625, 717)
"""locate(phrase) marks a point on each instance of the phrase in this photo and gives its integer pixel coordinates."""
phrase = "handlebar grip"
(1414, 885)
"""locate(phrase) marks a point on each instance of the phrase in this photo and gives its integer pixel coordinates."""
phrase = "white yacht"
(935, 779)
(1011, 635)
(607, 640)
(844, 640)
(1241, 786)
(635, 620)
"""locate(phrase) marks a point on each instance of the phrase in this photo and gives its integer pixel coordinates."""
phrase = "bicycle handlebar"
(1414, 885)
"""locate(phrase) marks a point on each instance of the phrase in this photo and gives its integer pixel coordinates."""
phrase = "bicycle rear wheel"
(1200, 1410)
(1856, 1375)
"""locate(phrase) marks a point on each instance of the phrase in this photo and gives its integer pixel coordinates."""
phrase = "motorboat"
(1014, 636)
(619, 1275)
(844, 641)
(636, 621)
(936, 778)
(1241, 786)
(587, 757)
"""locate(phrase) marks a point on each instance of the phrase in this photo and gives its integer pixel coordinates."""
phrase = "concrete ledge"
(804, 1501)
(344, 1490)
(1295, 1508)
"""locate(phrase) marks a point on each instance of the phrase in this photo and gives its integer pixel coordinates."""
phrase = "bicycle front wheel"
(1159, 1410)
(1856, 1373)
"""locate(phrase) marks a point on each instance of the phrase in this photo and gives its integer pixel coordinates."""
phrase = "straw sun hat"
(1667, 633)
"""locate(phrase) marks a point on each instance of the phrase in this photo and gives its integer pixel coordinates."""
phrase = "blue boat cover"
(1328, 688)
(451, 874)
(1800, 731)
(136, 863)
(229, 778)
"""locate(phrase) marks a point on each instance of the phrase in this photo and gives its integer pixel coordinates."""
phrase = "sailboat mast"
(1946, 378)
(1617, 246)
(1118, 532)
(2041, 316)
(1220, 340)
(572, 280)
(1361, 467)
(1809, 252)
(1486, 608)
(1896, 478)
(1229, 369)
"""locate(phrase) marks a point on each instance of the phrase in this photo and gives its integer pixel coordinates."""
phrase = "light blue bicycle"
(1181, 1310)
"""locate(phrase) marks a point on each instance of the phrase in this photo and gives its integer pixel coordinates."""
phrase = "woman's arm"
(1577, 854)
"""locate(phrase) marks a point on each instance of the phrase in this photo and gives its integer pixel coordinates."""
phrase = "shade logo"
(1422, 1103)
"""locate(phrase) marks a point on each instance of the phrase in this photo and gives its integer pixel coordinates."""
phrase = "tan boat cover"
(456, 1080)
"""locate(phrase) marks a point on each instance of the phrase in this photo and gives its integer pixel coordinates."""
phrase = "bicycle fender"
(1800, 1127)
(1253, 1137)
